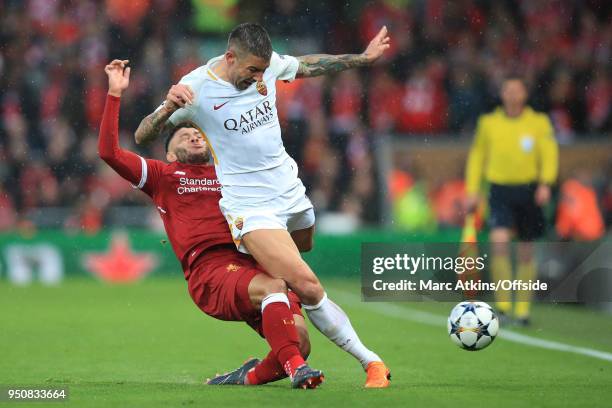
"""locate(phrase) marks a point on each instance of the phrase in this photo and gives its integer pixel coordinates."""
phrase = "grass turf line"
(148, 345)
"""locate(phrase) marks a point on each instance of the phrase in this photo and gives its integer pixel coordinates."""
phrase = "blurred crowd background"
(443, 70)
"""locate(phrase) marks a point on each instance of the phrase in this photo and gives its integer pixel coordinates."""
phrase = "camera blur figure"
(515, 151)
(27, 262)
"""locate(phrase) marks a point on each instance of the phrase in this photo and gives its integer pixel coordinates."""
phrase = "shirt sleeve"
(285, 66)
(549, 153)
(143, 174)
(194, 80)
(476, 158)
(150, 175)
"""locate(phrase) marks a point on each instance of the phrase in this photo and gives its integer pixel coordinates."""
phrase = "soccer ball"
(472, 325)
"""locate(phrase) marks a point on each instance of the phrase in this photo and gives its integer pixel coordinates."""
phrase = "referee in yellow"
(515, 151)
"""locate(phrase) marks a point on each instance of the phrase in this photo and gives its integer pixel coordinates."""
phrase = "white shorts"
(280, 213)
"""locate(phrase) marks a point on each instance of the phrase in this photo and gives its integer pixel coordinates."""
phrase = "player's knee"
(302, 280)
(500, 235)
(311, 291)
(275, 286)
(263, 285)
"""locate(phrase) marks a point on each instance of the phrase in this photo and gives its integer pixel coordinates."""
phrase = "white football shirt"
(242, 129)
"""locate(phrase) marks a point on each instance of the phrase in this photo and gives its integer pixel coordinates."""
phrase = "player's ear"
(231, 57)
(171, 157)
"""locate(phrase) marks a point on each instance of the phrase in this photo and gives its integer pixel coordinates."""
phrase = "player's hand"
(542, 195)
(178, 96)
(377, 46)
(471, 203)
(118, 76)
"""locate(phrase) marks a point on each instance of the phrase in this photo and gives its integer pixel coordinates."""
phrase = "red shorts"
(219, 285)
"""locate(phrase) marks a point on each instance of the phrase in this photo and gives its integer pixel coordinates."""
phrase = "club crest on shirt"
(232, 268)
(262, 88)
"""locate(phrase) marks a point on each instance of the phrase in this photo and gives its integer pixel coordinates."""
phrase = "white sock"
(330, 320)
(273, 298)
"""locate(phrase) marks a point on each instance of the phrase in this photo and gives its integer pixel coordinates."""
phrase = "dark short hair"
(513, 76)
(251, 38)
(170, 132)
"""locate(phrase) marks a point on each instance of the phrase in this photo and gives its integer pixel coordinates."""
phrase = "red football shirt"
(186, 196)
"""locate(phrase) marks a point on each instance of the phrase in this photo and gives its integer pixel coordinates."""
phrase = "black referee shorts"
(514, 206)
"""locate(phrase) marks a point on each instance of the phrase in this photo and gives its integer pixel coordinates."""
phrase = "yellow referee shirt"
(512, 151)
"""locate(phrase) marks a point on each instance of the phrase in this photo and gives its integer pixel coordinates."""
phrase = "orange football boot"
(378, 375)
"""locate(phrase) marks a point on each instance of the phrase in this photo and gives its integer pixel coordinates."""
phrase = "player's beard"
(183, 156)
(243, 84)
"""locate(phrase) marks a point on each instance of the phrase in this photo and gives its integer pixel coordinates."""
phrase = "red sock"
(280, 332)
(268, 370)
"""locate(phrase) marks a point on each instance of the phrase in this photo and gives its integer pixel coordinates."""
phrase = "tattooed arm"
(154, 124)
(321, 64)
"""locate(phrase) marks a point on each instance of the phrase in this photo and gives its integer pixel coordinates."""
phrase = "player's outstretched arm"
(322, 64)
(154, 124)
(124, 162)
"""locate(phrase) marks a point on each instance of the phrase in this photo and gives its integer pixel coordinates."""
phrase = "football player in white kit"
(232, 99)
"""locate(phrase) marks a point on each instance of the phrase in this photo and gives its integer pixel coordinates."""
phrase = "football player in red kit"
(224, 283)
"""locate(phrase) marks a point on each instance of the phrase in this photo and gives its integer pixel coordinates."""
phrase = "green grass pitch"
(147, 345)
